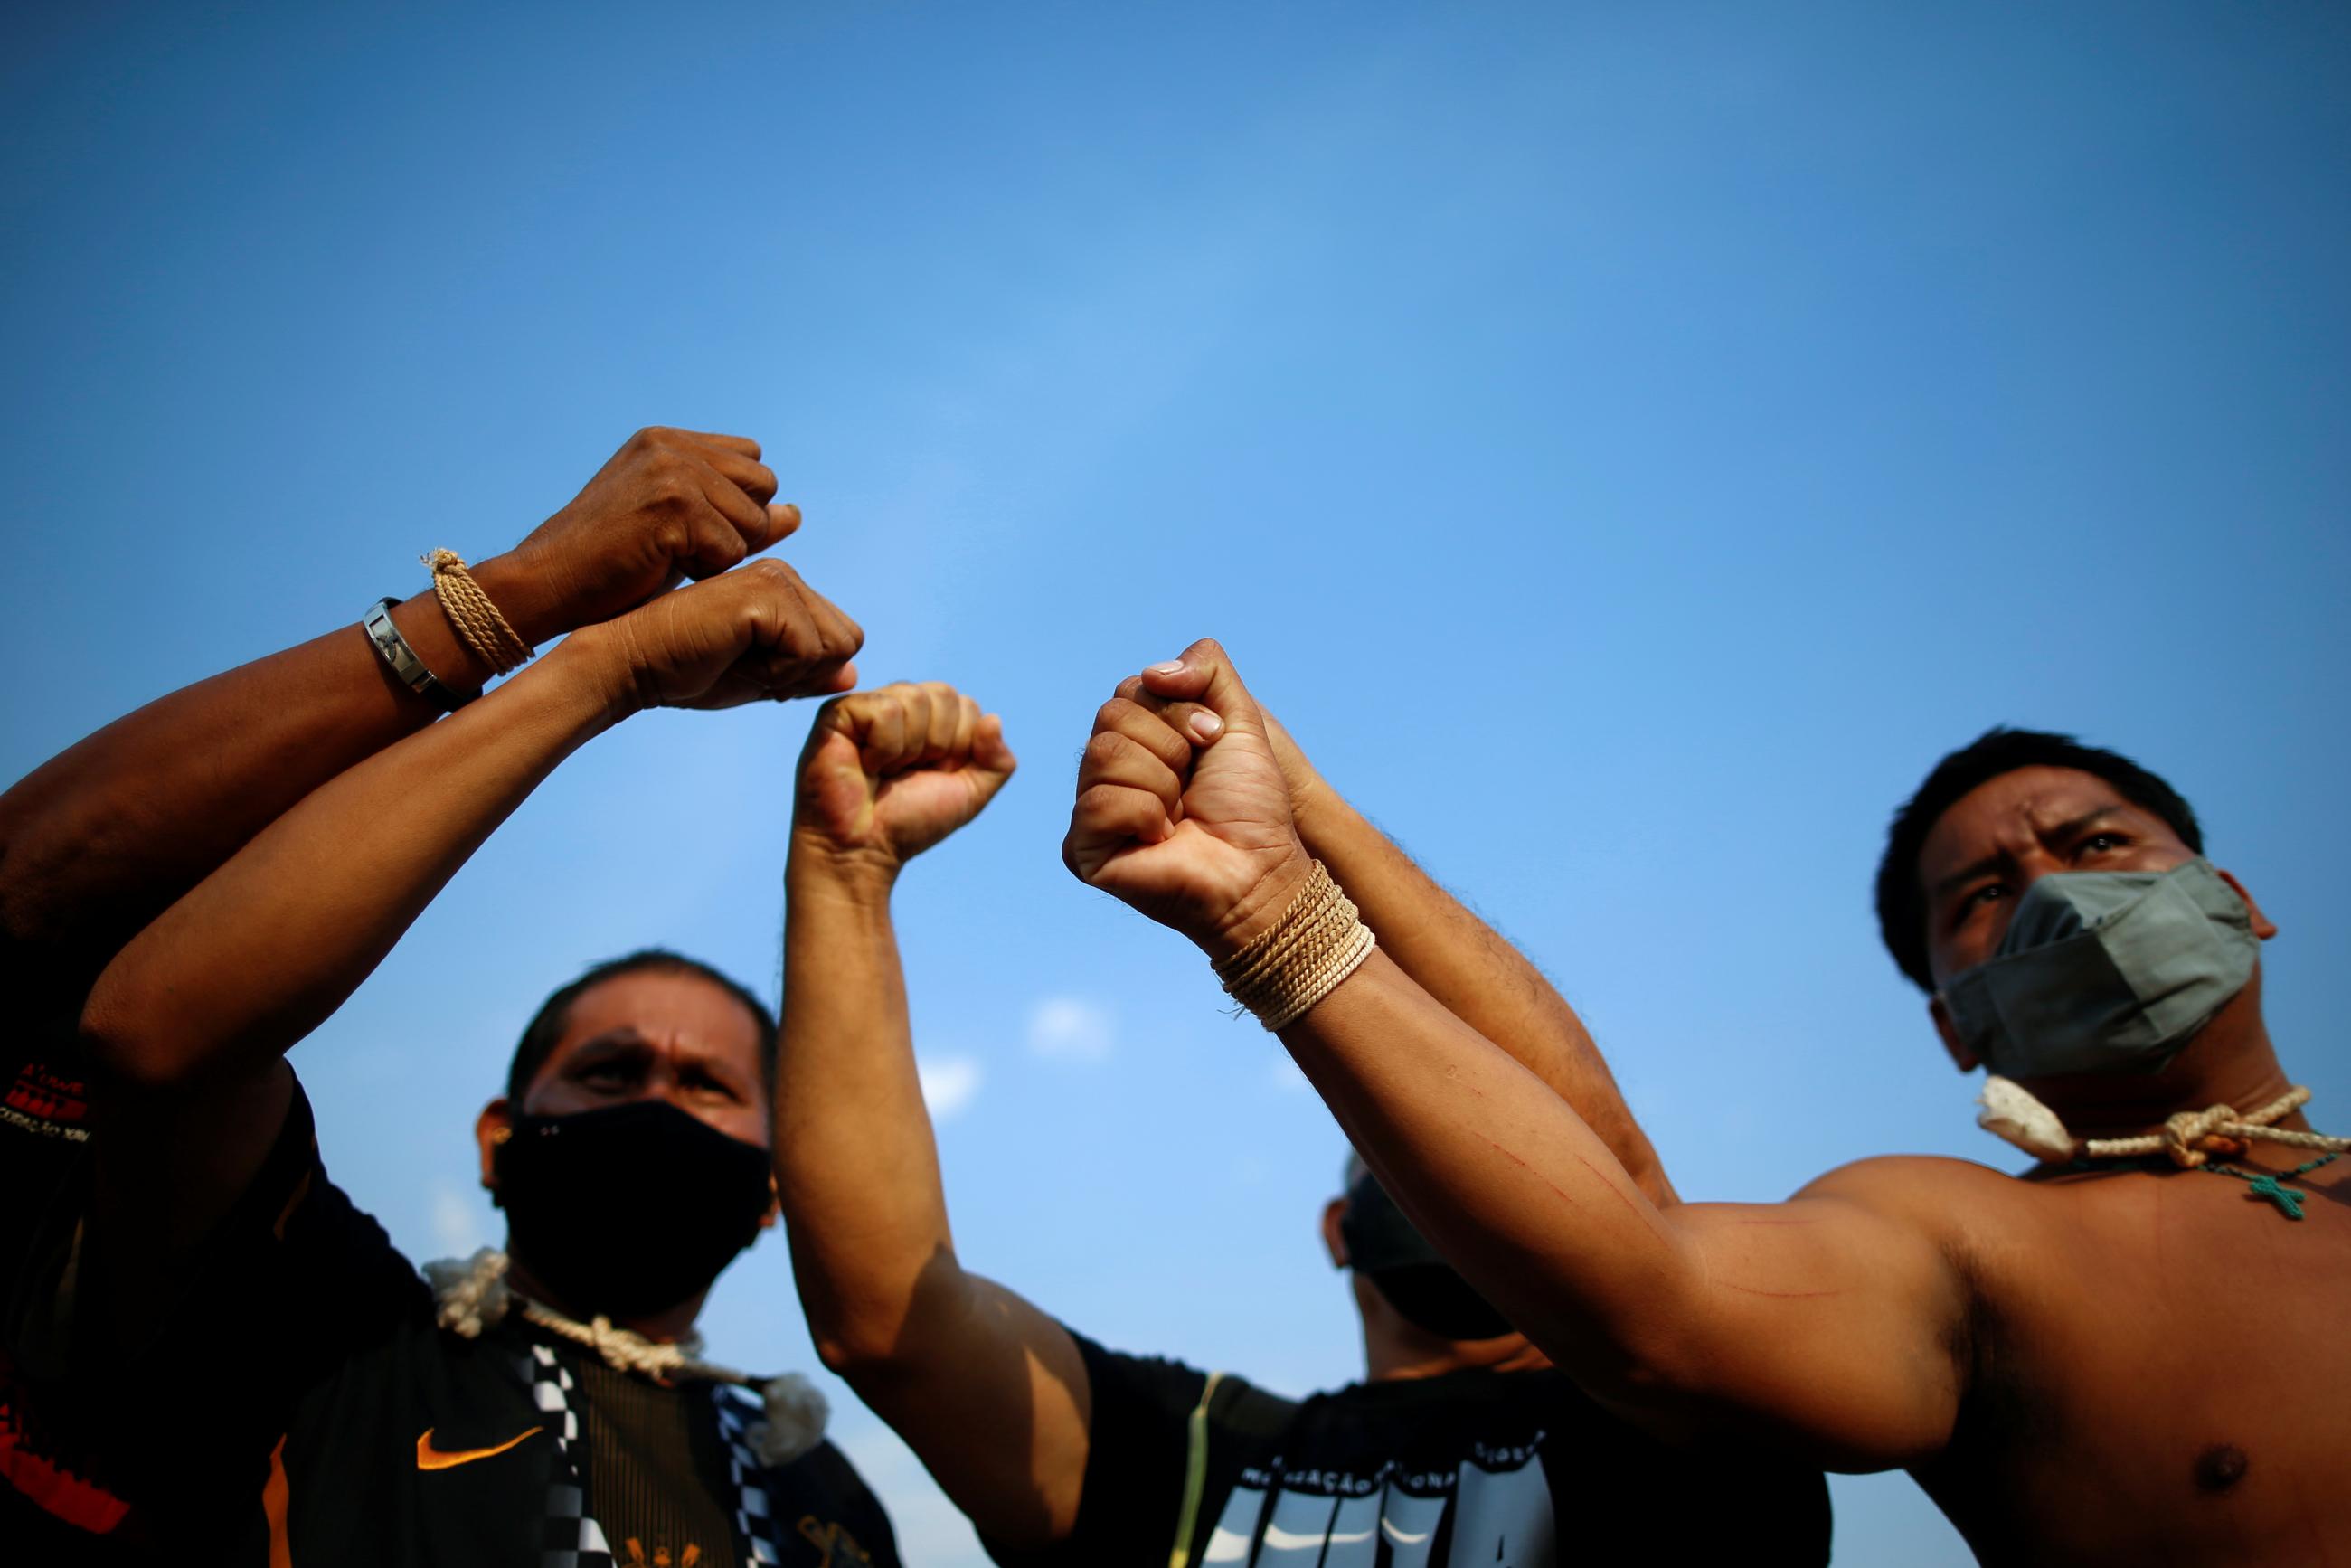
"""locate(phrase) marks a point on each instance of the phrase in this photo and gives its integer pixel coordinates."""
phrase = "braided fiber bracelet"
(474, 617)
(1301, 958)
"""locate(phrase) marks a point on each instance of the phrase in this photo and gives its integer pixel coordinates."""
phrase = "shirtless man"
(2114, 1361)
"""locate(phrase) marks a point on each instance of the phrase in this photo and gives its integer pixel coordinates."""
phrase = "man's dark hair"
(546, 1027)
(1902, 899)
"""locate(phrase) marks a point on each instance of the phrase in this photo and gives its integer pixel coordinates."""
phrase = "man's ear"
(494, 1126)
(775, 1205)
(1333, 1240)
(2262, 927)
(1965, 1060)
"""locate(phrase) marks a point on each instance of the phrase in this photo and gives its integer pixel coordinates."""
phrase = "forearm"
(261, 951)
(1515, 1188)
(856, 1165)
(96, 841)
(939, 1353)
(1477, 976)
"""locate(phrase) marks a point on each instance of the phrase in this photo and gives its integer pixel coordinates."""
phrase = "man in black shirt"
(1462, 1447)
(207, 1352)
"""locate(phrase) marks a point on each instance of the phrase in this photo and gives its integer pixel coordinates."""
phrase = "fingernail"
(1172, 667)
(1207, 726)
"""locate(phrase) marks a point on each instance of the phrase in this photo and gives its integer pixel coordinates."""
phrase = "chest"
(480, 1456)
(2162, 1357)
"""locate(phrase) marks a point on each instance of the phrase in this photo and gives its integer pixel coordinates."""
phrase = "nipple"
(2219, 1468)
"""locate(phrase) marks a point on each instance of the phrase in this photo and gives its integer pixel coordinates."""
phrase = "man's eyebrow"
(1948, 885)
(709, 1061)
(611, 1042)
(2087, 821)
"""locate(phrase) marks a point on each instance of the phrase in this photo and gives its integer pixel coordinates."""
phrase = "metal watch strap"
(405, 665)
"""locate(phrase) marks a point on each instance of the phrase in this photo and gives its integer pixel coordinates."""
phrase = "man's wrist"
(520, 595)
(1259, 909)
(819, 869)
(602, 667)
(1317, 812)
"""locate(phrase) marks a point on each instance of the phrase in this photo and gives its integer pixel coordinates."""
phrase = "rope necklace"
(473, 1295)
(2188, 1140)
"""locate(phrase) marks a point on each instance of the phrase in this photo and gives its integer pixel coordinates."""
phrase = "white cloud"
(1070, 1028)
(456, 1222)
(949, 1084)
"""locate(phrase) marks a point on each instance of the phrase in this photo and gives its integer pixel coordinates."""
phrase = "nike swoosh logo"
(429, 1458)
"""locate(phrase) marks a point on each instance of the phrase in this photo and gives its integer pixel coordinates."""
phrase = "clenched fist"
(670, 504)
(886, 774)
(756, 634)
(1193, 826)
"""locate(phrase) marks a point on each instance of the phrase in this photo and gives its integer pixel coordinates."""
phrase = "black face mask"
(1389, 1250)
(1440, 1300)
(628, 1210)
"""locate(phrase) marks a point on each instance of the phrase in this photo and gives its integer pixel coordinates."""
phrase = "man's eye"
(1989, 892)
(2098, 843)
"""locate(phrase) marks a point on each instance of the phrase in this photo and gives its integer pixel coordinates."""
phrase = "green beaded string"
(2272, 1188)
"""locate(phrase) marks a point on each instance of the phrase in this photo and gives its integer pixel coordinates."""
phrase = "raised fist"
(671, 504)
(1308, 788)
(756, 634)
(888, 773)
(1192, 827)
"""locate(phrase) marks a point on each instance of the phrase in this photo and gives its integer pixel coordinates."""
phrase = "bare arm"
(99, 839)
(187, 1024)
(938, 1352)
(1463, 963)
(1828, 1320)
(1474, 973)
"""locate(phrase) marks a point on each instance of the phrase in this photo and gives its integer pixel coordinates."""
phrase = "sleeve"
(240, 1333)
(234, 1262)
(1136, 1448)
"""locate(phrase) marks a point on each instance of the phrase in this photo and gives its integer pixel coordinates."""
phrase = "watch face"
(406, 666)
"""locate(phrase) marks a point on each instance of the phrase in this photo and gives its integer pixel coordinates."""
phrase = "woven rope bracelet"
(1317, 942)
(474, 616)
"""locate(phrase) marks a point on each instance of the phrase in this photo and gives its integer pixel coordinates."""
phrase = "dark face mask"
(1389, 1250)
(628, 1210)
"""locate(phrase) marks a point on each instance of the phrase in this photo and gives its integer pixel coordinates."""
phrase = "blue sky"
(1626, 443)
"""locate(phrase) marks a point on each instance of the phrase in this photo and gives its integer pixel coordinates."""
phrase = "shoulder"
(1919, 1187)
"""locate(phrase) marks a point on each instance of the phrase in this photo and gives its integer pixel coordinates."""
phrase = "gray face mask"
(2105, 972)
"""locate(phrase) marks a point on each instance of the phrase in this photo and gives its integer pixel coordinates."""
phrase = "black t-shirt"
(301, 1405)
(1471, 1469)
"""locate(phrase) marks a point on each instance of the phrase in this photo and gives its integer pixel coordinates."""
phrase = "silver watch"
(405, 665)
